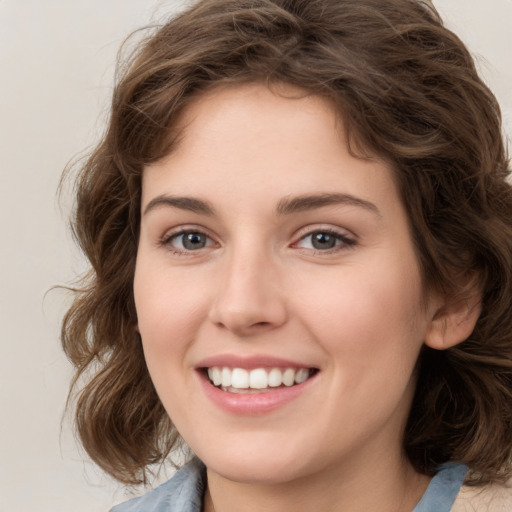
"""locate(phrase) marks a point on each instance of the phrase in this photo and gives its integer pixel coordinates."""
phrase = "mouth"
(257, 380)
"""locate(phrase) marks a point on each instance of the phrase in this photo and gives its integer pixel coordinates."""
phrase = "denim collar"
(185, 490)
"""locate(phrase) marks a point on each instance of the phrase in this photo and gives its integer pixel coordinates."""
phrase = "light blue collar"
(443, 489)
(184, 491)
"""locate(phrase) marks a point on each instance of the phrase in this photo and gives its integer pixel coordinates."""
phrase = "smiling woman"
(300, 231)
(288, 282)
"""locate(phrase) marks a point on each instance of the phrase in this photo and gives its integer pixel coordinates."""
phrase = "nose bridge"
(249, 297)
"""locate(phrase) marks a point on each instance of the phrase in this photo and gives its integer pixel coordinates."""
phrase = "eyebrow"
(291, 205)
(285, 206)
(190, 204)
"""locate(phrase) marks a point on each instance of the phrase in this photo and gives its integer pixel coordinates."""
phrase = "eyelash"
(167, 241)
(342, 241)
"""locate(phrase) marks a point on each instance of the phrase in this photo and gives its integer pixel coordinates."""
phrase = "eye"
(324, 240)
(186, 241)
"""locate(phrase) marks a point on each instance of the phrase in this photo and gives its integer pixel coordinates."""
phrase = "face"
(277, 290)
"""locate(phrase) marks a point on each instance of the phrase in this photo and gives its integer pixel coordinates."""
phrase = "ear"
(454, 318)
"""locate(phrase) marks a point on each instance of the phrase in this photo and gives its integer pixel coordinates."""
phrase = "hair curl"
(407, 89)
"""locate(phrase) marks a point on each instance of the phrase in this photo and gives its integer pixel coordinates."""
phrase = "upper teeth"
(259, 378)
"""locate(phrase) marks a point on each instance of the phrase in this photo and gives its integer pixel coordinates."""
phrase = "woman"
(299, 228)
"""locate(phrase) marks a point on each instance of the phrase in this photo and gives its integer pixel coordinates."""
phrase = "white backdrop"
(56, 68)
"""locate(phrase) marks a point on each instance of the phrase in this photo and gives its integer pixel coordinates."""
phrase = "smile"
(241, 380)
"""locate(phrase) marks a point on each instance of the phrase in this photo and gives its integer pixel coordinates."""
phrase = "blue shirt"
(184, 491)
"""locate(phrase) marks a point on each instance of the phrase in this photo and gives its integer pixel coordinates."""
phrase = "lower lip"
(254, 403)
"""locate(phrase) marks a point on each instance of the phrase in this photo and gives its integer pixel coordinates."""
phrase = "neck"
(393, 486)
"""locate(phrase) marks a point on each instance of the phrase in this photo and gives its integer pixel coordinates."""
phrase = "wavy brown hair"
(407, 90)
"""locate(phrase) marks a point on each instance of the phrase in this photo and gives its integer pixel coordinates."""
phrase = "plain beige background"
(56, 69)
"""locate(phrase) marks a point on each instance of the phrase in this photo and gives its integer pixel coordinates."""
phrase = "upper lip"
(249, 362)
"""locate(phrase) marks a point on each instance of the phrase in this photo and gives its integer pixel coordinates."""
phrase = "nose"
(249, 299)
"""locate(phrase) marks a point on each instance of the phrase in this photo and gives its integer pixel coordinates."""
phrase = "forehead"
(254, 118)
(249, 141)
(263, 110)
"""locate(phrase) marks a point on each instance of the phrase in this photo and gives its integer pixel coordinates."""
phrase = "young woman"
(300, 236)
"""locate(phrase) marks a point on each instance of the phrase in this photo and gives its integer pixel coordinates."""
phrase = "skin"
(259, 286)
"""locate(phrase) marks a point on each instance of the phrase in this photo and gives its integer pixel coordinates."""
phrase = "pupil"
(194, 241)
(323, 241)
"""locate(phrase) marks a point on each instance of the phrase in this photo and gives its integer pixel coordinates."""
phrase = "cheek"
(169, 307)
(368, 312)
(170, 311)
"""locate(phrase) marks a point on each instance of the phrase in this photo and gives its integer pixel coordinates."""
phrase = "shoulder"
(182, 493)
(489, 498)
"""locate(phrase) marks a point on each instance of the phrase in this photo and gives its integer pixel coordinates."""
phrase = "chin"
(248, 472)
(269, 466)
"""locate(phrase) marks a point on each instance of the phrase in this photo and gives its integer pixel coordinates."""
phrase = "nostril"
(249, 314)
